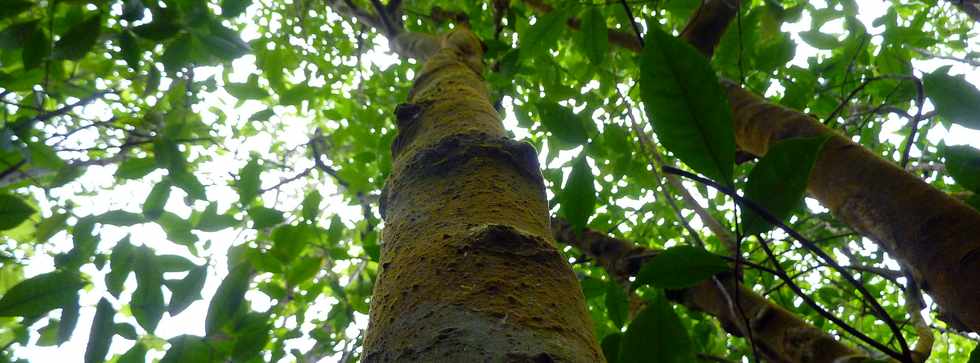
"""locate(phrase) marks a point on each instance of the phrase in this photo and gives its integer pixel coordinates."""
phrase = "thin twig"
(905, 355)
(636, 27)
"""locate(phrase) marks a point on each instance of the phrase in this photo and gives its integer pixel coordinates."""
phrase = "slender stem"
(636, 27)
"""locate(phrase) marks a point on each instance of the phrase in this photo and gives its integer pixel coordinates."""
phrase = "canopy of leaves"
(242, 147)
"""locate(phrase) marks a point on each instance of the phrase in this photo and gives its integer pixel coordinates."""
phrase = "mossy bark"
(779, 335)
(935, 235)
(469, 270)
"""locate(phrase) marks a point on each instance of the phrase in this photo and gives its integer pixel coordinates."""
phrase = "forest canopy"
(729, 181)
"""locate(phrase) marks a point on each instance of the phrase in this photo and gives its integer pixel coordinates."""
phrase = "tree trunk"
(935, 235)
(779, 335)
(469, 270)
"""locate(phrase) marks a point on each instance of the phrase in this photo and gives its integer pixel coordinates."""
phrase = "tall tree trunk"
(470, 272)
(779, 335)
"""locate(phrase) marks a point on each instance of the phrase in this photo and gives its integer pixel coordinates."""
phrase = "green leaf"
(14, 7)
(680, 267)
(50, 226)
(289, 242)
(147, 302)
(135, 168)
(820, 40)
(975, 355)
(610, 346)
(136, 354)
(686, 105)
(778, 181)
(40, 294)
(129, 49)
(656, 332)
(578, 197)
(79, 39)
(178, 230)
(187, 290)
(594, 37)
(249, 182)
(225, 43)
(955, 99)
(44, 156)
(120, 265)
(120, 218)
(125, 330)
(133, 10)
(233, 8)
(189, 349)
(303, 269)
(252, 336)
(152, 84)
(162, 28)
(617, 304)
(156, 200)
(311, 205)
(963, 164)
(568, 127)
(538, 39)
(13, 211)
(48, 335)
(188, 182)
(103, 328)
(263, 217)
(211, 221)
(228, 298)
(37, 47)
(69, 319)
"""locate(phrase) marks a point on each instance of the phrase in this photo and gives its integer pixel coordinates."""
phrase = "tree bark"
(779, 335)
(469, 270)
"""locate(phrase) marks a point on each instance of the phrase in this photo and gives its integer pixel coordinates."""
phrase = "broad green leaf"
(617, 304)
(778, 181)
(178, 230)
(578, 197)
(610, 346)
(543, 35)
(680, 267)
(189, 349)
(228, 298)
(963, 164)
(187, 290)
(303, 269)
(69, 319)
(249, 182)
(120, 265)
(174, 263)
(656, 332)
(289, 242)
(156, 200)
(975, 355)
(568, 127)
(13, 211)
(593, 37)
(120, 218)
(136, 354)
(225, 43)
(125, 330)
(40, 294)
(14, 7)
(263, 217)
(160, 29)
(100, 337)
(211, 221)
(37, 48)
(233, 8)
(686, 105)
(48, 335)
(296, 95)
(187, 181)
(44, 156)
(252, 334)
(955, 99)
(133, 10)
(130, 50)
(79, 39)
(311, 205)
(820, 40)
(50, 226)
(147, 301)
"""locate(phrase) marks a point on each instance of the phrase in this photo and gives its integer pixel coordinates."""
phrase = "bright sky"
(130, 196)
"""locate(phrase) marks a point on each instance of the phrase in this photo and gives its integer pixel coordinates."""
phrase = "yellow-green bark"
(470, 271)
(779, 336)
(934, 234)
